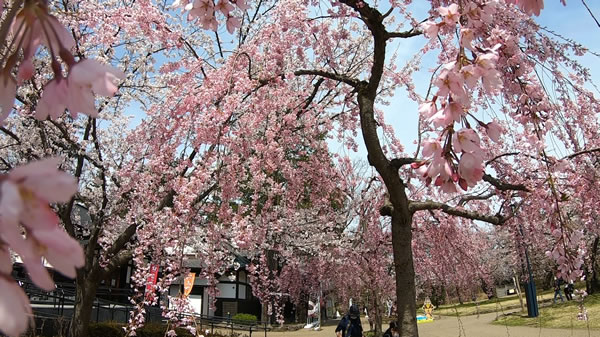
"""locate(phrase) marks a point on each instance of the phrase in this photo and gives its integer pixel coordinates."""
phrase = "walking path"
(467, 326)
(471, 326)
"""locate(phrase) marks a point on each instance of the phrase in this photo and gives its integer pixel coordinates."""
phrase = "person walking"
(350, 325)
(557, 292)
(569, 289)
(392, 331)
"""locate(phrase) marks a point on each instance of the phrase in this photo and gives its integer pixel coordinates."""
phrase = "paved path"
(468, 326)
(471, 326)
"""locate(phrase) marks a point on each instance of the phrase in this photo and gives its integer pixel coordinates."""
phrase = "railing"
(228, 323)
(61, 302)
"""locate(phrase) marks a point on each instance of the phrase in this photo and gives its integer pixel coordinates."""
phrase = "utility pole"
(530, 291)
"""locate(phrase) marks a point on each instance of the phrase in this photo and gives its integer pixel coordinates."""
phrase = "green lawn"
(560, 315)
(494, 305)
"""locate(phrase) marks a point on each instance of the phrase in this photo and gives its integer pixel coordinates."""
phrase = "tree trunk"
(405, 275)
(592, 283)
(377, 318)
(84, 301)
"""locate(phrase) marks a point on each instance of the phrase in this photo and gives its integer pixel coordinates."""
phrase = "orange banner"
(188, 283)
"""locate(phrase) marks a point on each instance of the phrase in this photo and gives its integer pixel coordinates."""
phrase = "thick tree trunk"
(592, 282)
(84, 301)
(405, 275)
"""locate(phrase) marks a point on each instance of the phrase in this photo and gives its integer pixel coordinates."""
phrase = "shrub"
(247, 318)
(106, 329)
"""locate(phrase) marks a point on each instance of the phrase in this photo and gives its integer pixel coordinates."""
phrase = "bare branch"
(404, 35)
(415, 206)
(500, 156)
(337, 77)
(573, 155)
(502, 186)
(399, 162)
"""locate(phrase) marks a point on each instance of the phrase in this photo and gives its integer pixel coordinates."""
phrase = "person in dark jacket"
(350, 325)
(392, 331)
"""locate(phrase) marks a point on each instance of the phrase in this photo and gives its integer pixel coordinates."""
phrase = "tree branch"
(116, 262)
(397, 163)
(573, 155)
(415, 206)
(336, 77)
(404, 35)
(502, 186)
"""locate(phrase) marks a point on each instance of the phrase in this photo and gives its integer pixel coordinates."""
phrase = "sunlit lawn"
(559, 315)
(498, 305)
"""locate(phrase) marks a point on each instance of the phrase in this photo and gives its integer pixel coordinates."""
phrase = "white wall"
(196, 303)
(227, 290)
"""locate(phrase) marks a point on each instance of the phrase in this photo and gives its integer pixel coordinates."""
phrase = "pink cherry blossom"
(449, 14)
(15, 311)
(494, 130)
(531, 7)
(430, 28)
(224, 6)
(431, 148)
(470, 168)
(76, 92)
(35, 26)
(26, 192)
(449, 82)
(232, 24)
(54, 99)
(98, 77)
(25, 70)
(427, 109)
(241, 4)
(470, 75)
(466, 38)
(466, 140)
(450, 113)
(8, 90)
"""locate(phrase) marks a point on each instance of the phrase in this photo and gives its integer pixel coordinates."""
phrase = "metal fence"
(53, 311)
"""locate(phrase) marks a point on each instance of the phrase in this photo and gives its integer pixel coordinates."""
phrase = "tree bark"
(405, 275)
(84, 301)
(592, 283)
(378, 313)
(401, 215)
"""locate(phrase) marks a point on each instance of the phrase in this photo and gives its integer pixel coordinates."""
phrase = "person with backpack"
(350, 325)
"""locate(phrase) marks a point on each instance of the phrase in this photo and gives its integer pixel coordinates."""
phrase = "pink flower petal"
(15, 311)
(8, 90)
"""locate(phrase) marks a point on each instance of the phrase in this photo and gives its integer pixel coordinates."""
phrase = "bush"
(247, 318)
(106, 329)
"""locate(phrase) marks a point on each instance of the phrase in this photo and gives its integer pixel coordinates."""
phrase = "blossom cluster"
(206, 11)
(568, 252)
(29, 228)
(32, 27)
(456, 155)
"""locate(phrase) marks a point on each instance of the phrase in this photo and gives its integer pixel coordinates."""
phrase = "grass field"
(498, 305)
(559, 315)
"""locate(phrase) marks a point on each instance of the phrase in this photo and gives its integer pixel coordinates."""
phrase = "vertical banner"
(188, 284)
(152, 279)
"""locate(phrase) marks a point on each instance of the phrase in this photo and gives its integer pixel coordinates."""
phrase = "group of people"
(350, 325)
(569, 289)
